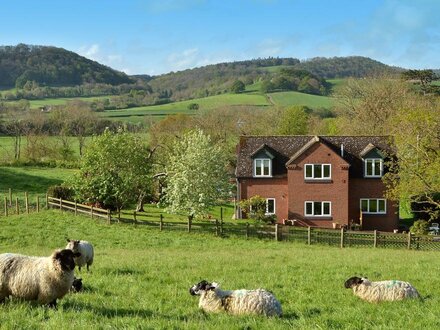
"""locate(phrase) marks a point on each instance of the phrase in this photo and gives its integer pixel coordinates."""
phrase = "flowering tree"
(196, 175)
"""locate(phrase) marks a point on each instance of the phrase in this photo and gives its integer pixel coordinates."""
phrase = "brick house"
(321, 181)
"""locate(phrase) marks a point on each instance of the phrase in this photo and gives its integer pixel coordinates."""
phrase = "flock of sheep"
(46, 279)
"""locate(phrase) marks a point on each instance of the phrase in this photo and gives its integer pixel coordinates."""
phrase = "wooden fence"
(21, 204)
(279, 232)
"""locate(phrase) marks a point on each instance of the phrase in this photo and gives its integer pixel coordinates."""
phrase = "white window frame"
(313, 172)
(262, 167)
(373, 161)
(313, 208)
(274, 206)
(368, 207)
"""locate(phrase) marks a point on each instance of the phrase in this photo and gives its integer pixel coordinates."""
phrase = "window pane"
(317, 208)
(326, 171)
(266, 166)
(369, 166)
(309, 171)
(377, 167)
(373, 206)
(258, 167)
(364, 205)
(318, 171)
(270, 206)
(381, 207)
(309, 208)
(326, 208)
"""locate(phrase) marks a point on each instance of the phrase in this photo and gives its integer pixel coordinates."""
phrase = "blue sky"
(155, 37)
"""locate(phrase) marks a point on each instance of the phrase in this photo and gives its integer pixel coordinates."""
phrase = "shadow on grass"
(21, 182)
(107, 312)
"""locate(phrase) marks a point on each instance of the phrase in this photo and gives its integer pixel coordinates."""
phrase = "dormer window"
(262, 167)
(373, 167)
(317, 171)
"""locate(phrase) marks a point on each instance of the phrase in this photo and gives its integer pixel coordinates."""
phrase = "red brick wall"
(267, 188)
(335, 190)
(372, 188)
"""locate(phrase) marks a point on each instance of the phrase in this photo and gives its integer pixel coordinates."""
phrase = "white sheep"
(237, 302)
(44, 279)
(391, 290)
(86, 250)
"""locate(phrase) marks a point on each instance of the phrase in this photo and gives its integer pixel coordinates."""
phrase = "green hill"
(52, 66)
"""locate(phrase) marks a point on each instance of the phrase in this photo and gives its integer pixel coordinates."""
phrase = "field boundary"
(279, 232)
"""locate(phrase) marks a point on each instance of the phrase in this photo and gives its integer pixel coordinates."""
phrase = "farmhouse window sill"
(319, 217)
(318, 181)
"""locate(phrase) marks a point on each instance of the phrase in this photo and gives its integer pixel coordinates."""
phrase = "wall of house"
(334, 190)
(267, 188)
(372, 188)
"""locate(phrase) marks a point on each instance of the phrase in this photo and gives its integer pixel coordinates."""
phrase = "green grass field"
(296, 98)
(140, 279)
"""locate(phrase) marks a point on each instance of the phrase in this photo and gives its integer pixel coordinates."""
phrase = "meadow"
(140, 279)
(296, 98)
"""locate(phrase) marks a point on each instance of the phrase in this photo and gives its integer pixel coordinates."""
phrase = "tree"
(237, 86)
(196, 175)
(424, 77)
(294, 121)
(115, 171)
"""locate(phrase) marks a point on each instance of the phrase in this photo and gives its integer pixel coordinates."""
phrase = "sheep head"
(196, 289)
(66, 258)
(353, 281)
(72, 244)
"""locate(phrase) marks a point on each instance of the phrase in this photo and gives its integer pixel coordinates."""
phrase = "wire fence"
(279, 232)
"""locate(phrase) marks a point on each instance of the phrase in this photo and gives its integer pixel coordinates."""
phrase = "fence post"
(134, 217)
(221, 214)
(221, 227)
(76, 208)
(109, 215)
(247, 230)
(189, 224)
(409, 240)
(375, 239)
(26, 202)
(47, 201)
(216, 227)
(342, 237)
(161, 222)
(17, 207)
(38, 203)
(6, 206)
(10, 197)
(61, 204)
(119, 215)
(91, 211)
(309, 235)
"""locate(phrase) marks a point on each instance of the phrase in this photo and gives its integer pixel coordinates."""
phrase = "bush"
(61, 191)
(420, 227)
(255, 208)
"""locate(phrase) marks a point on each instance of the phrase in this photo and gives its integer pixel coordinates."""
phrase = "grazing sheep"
(213, 299)
(77, 285)
(86, 250)
(381, 291)
(44, 279)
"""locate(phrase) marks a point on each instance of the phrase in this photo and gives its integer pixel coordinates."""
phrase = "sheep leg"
(52, 304)
(87, 267)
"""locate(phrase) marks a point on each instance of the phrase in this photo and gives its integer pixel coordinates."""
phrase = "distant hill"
(218, 78)
(52, 66)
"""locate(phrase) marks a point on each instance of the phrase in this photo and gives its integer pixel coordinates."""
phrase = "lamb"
(391, 290)
(77, 285)
(86, 250)
(44, 279)
(237, 302)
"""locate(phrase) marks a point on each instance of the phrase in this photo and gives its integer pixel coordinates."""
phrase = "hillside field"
(140, 279)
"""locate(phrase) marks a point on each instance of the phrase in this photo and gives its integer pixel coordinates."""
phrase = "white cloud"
(96, 53)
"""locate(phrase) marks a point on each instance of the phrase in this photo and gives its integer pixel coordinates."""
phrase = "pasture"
(296, 98)
(140, 279)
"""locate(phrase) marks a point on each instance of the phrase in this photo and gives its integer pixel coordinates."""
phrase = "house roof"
(289, 147)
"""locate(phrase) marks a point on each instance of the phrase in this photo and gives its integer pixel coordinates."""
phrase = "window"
(262, 167)
(317, 171)
(373, 206)
(373, 167)
(317, 209)
(270, 206)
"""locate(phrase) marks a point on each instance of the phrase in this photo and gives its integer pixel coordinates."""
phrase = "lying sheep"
(44, 279)
(86, 250)
(77, 285)
(381, 291)
(213, 299)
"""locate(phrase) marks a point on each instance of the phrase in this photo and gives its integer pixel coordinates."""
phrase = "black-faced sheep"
(86, 250)
(44, 279)
(237, 302)
(77, 285)
(391, 290)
